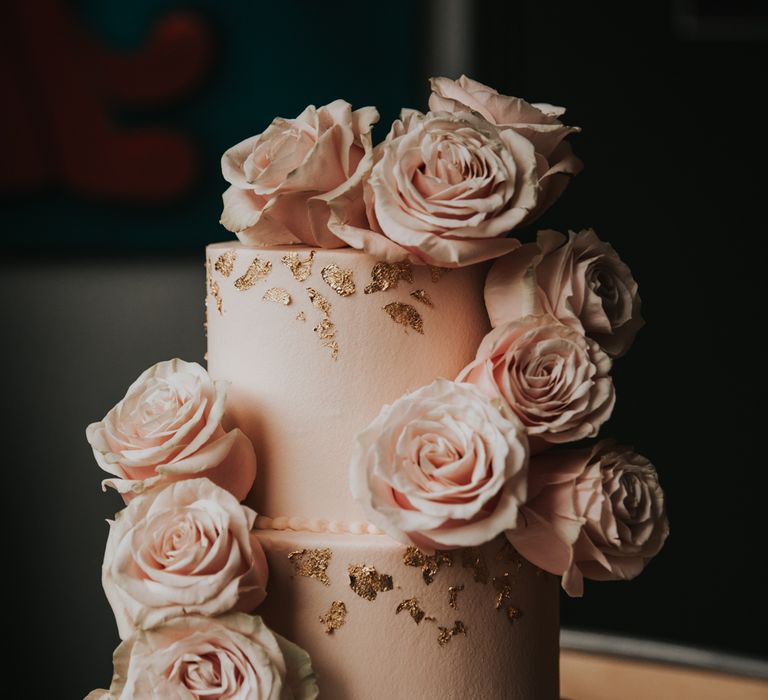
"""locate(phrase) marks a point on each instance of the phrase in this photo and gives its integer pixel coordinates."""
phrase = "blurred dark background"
(114, 118)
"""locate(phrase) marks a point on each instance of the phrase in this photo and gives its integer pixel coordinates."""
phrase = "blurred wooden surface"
(596, 677)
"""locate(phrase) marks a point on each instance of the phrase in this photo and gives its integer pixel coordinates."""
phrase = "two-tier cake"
(392, 380)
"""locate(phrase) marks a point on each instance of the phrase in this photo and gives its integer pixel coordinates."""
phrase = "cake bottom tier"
(383, 621)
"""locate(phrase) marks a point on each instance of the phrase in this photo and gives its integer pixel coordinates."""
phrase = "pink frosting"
(441, 467)
(287, 181)
(594, 512)
(445, 190)
(580, 280)
(186, 548)
(231, 657)
(554, 379)
(537, 123)
(168, 428)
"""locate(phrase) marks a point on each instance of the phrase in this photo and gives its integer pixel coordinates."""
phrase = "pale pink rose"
(445, 190)
(167, 428)
(595, 513)
(286, 181)
(539, 123)
(232, 657)
(554, 379)
(441, 467)
(580, 280)
(185, 548)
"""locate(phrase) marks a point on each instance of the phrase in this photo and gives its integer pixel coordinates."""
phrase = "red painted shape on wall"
(62, 90)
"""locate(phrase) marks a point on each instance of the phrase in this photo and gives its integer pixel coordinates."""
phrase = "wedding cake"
(375, 465)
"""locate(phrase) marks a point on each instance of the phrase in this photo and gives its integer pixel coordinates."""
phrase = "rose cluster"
(182, 566)
(443, 188)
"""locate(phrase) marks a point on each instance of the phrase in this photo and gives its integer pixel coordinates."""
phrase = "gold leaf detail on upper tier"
(213, 288)
(339, 279)
(300, 269)
(225, 263)
(406, 315)
(335, 617)
(311, 563)
(301, 316)
(430, 563)
(367, 582)
(319, 301)
(453, 595)
(385, 275)
(414, 608)
(257, 270)
(448, 633)
(436, 273)
(513, 614)
(326, 329)
(422, 296)
(503, 585)
(472, 558)
(277, 294)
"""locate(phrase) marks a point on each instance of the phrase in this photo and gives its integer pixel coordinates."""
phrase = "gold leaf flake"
(406, 315)
(437, 272)
(256, 271)
(311, 563)
(513, 614)
(453, 594)
(448, 633)
(367, 582)
(326, 329)
(300, 269)
(333, 346)
(216, 293)
(339, 279)
(386, 276)
(301, 316)
(472, 558)
(277, 294)
(422, 296)
(319, 301)
(225, 263)
(335, 617)
(413, 607)
(503, 585)
(430, 563)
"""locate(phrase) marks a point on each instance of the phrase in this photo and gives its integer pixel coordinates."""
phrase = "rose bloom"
(554, 379)
(538, 123)
(232, 657)
(168, 427)
(286, 181)
(441, 467)
(580, 280)
(596, 512)
(186, 548)
(445, 190)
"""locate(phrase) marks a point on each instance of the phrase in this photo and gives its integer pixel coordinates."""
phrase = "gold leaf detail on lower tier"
(335, 617)
(300, 269)
(386, 275)
(367, 582)
(225, 263)
(503, 585)
(319, 301)
(277, 294)
(326, 329)
(339, 279)
(430, 563)
(311, 563)
(333, 346)
(436, 273)
(422, 296)
(472, 558)
(257, 270)
(513, 614)
(448, 633)
(453, 595)
(301, 316)
(414, 609)
(406, 315)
